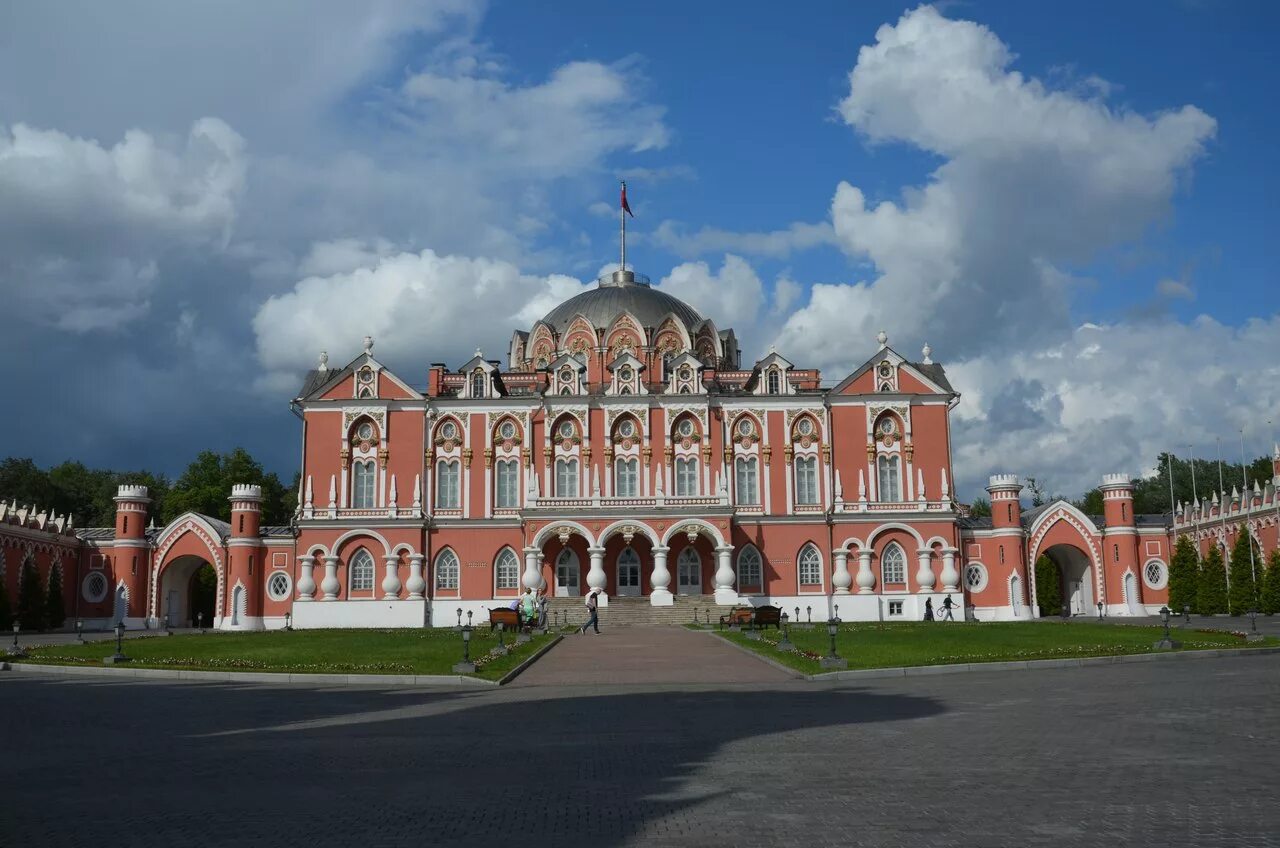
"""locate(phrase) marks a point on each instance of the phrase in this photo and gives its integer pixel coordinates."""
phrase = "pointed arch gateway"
(189, 576)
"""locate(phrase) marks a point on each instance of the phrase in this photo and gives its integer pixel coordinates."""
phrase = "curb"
(277, 678)
(515, 672)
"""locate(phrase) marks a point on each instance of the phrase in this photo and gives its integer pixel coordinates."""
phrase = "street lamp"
(200, 621)
(1166, 643)
(784, 644)
(695, 616)
(502, 646)
(1254, 635)
(468, 618)
(79, 631)
(466, 666)
(16, 651)
(458, 627)
(118, 656)
(832, 659)
(808, 611)
(288, 620)
(1186, 613)
(1099, 610)
(167, 631)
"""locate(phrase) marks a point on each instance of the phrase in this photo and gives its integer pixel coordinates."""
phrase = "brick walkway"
(645, 655)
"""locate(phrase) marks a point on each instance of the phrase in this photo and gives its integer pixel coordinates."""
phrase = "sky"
(1074, 204)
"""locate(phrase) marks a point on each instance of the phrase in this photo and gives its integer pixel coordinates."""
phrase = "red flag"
(625, 206)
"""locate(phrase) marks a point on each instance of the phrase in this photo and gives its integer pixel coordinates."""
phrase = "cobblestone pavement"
(1136, 754)
(647, 655)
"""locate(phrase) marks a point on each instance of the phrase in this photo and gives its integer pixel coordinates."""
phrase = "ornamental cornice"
(377, 413)
(639, 412)
(674, 411)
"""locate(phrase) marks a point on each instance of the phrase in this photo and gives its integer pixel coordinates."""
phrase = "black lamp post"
(502, 646)
(288, 620)
(466, 666)
(707, 616)
(79, 631)
(458, 627)
(1166, 643)
(832, 659)
(16, 651)
(695, 615)
(118, 656)
(167, 631)
(797, 618)
(1186, 613)
(200, 621)
(468, 618)
(1099, 610)
(784, 644)
(808, 611)
(1254, 635)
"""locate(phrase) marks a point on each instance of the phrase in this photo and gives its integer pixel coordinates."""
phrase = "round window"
(686, 373)
(94, 587)
(365, 431)
(975, 577)
(280, 586)
(744, 427)
(886, 370)
(507, 430)
(566, 429)
(448, 430)
(886, 426)
(566, 375)
(1154, 574)
(627, 428)
(805, 427)
(366, 376)
(685, 428)
(624, 373)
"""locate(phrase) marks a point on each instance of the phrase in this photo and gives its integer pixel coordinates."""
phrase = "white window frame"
(626, 479)
(1164, 574)
(448, 570)
(689, 560)
(285, 593)
(506, 570)
(809, 560)
(686, 476)
(364, 484)
(566, 477)
(448, 484)
(889, 478)
(806, 473)
(979, 569)
(506, 484)
(362, 572)
(749, 559)
(898, 563)
(746, 480)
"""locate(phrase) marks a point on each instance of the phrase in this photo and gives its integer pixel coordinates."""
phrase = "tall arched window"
(806, 480)
(627, 478)
(750, 571)
(775, 382)
(893, 566)
(360, 571)
(477, 383)
(507, 488)
(890, 486)
(448, 485)
(686, 477)
(689, 572)
(810, 566)
(507, 570)
(447, 570)
(566, 478)
(748, 491)
(364, 476)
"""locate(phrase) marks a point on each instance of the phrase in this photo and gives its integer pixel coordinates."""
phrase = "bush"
(1245, 564)
(1211, 584)
(6, 615)
(1270, 604)
(30, 598)
(1182, 575)
(1048, 587)
(55, 610)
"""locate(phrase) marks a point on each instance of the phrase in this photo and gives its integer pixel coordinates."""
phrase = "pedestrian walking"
(928, 609)
(946, 605)
(593, 610)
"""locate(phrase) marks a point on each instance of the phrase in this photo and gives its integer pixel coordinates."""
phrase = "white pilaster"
(595, 575)
(841, 580)
(950, 575)
(660, 595)
(725, 577)
(391, 583)
(330, 585)
(866, 578)
(924, 574)
(306, 583)
(416, 585)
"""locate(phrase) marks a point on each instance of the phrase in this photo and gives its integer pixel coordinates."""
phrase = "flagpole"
(1244, 474)
(1222, 513)
(1173, 515)
(622, 222)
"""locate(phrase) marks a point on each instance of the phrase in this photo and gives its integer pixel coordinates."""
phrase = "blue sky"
(194, 202)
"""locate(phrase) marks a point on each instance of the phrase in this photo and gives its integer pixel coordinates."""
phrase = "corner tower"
(1006, 509)
(131, 556)
(244, 555)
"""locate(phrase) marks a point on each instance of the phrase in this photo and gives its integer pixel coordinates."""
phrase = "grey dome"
(622, 292)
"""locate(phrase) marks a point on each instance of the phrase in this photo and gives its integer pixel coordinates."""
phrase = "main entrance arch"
(188, 592)
(1075, 571)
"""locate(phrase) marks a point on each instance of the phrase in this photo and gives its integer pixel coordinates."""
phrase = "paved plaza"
(1161, 753)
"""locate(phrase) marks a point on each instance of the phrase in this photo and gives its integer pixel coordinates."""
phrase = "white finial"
(927, 351)
(324, 361)
(773, 348)
(883, 338)
(368, 344)
(479, 353)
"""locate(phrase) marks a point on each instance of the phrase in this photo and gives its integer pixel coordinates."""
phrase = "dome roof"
(622, 292)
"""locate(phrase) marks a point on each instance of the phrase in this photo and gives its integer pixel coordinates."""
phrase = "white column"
(924, 574)
(595, 575)
(416, 584)
(950, 576)
(725, 577)
(660, 595)
(306, 584)
(866, 578)
(841, 580)
(531, 578)
(330, 585)
(391, 583)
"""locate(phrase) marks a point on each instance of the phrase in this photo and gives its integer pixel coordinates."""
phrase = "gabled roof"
(930, 373)
(567, 359)
(626, 359)
(319, 381)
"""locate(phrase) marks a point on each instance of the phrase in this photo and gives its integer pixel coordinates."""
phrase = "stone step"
(626, 611)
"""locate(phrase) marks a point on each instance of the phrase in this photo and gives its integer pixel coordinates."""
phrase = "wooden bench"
(509, 618)
(767, 615)
(737, 617)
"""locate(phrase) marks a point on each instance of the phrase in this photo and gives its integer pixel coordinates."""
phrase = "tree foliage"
(1246, 562)
(1270, 600)
(6, 612)
(980, 508)
(1048, 586)
(31, 601)
(1211, 584)
(55, 610)
(1182, 575)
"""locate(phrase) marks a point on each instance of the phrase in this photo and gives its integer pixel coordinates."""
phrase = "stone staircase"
(636, 611)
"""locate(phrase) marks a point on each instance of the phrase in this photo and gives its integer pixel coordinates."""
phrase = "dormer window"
(886, 370)
(477, 383)
(775, 382)
(566, 375)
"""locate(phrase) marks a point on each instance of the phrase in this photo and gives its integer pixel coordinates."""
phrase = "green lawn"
(432, 651)
(879, 645)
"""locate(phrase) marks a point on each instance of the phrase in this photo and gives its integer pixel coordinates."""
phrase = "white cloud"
(798, 236)
(1175, 289)
(732, 296)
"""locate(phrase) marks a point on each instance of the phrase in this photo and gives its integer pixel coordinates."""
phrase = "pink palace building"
(623, 447)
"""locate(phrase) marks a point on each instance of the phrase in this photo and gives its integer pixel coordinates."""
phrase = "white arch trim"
(895, 525)
(937, 540)
(553, 529)
(616, 528)
(373, 534)
(403, 547)
(857, 545)
(681, 526)
(188, 521)
(1055, 512)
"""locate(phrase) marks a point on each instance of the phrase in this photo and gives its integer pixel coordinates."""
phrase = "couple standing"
(593, 609)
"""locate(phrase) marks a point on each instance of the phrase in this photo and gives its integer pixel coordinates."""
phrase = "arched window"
(477, 383)
(890, 487)
(507, 488)
(748, 491)
(689, 572)
(893, 566)
(627, 478)
(447, 570)
(566, 478)
(507, 570)
(360, 571)
(750, 571)
(775, 382)
(810, 566)
(364, 476)
(806, 480)
(448, 480)
(686, 477)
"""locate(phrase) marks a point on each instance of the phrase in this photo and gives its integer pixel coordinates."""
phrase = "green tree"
(1270, 601)
(55, 611)
(6, 613)
(1182, 575)
(23, 481)
(1245, 564)
(31, 603)
(1091, 503)
(1048, 586)
(206, 484)
(1211, 584)
(980, 508)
